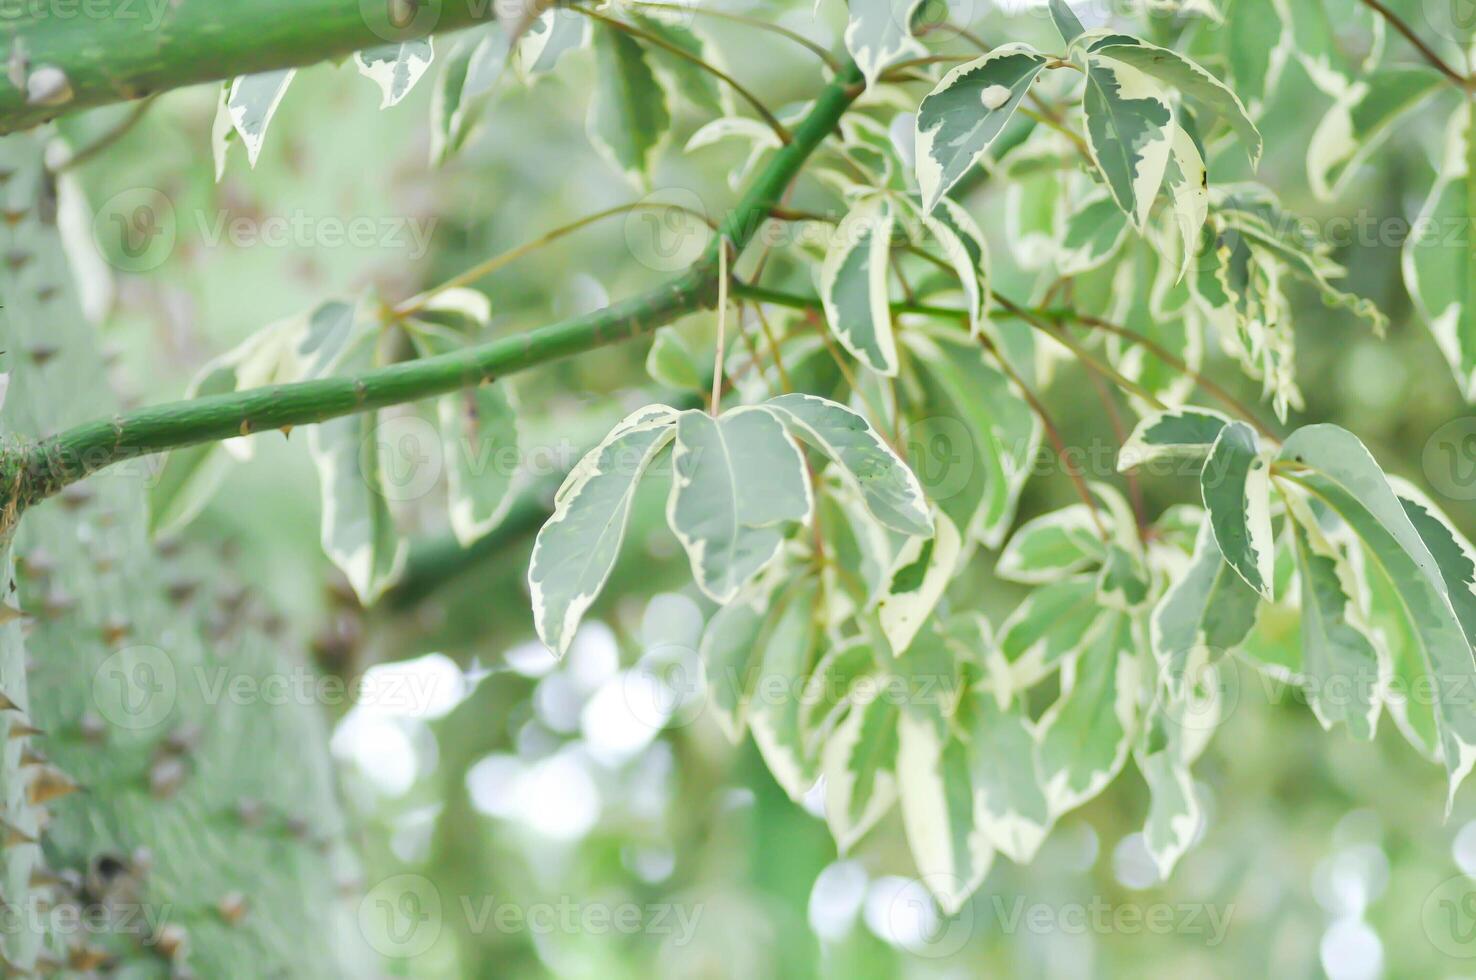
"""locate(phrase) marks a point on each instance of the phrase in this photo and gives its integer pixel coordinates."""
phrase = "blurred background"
(520, 817)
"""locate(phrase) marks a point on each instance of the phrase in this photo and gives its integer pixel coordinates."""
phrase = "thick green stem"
(33, 472)
(102, 51)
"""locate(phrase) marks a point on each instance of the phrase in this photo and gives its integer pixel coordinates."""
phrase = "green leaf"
(1440, 256)
(966, 111)
(853, 284)
(1178, 434)
(940, 810)
(1207, 611)
(1336, 468)
(1086, 734)
(1341, 668)
(672, 363)
(1095, 231)
(1358, 122)
(1049, 626)
(577, 547)
(1066, 21)
(252, 101)
(1452, 553)
(1257, 39)
(732, 646)
(1123, 581)
(776, 710)
(879, 34)
(963, 246)
(555, 33)
(1002, 744)
(922, 571)
(684, 78)
(884, 483)
(357, 531)
(858, 761)
(738, 483)
(974, 439)
(479, 436)
(1129, 130)
(628, 115)
(1191, 80)
(395, 68)
(298, 348)
(1051, 547)
(1236, 487)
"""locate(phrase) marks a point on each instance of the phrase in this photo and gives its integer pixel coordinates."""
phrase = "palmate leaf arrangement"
(835, 637)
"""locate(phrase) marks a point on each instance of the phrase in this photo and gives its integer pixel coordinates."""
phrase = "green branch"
(60, 64)
(30, 473)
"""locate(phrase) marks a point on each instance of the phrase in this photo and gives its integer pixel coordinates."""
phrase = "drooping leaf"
(357, 529)
(853, 284)
(1095, 231)
(1341, 669)
(1207, 611)
(1066, 21)
(964, 247)
(776, 710)
(858, 763)
(577, 547)
(921, 572)
(479, 441)
(1002, 741)
(395, 68)
(1129, 130)
(1336, 468)
(974, 438)
(1236, 487)
(738, 483)
(1186, 434)
(252, 101)
(1192, 80)
(1086, 734)
(885, 484)
(671, 362)
(1051, 547)
(1049, 626)
(966, 111)
(1440, 257)
(683, 77)
(555, 33)
(628, 114)
(1359, 121)
(879, 34)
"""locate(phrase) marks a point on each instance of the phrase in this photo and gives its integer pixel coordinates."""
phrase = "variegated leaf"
(1051, 547)
(628, 116)
(1180, 434)
(577, 547)
(1236, 487)
(395, 68)
(1359, 121)
(966, 111)
(853, 284)
(1130, 132)
(738, 484)
(879, 34)
(884, 483)
(1207, 612)
(921, 572)
(252, 101)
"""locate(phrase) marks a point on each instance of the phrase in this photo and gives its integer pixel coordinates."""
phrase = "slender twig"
(485, 268)
(763, 25)
(774, 354)
(722, 323)
(1120, 433)
(32, 471)
(1429, 53)
(769, 118)
(107, 139)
